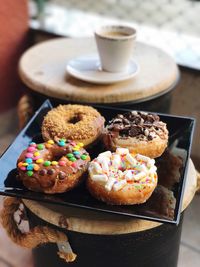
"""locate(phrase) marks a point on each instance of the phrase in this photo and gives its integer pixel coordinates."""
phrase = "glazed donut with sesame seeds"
(53, 167)
(75, 122)
(122, 178)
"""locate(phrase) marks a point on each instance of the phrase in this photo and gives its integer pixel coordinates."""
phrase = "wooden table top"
(94, 222)
(43, 69)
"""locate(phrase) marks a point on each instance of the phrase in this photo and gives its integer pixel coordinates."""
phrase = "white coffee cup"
(115, 45)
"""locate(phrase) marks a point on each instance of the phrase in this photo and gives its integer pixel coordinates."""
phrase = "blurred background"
(169, 24)
(172, 25)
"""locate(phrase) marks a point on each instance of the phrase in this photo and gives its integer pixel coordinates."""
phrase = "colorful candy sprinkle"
(47, 163)
(35, 158)
(76, 152)
(76, 148)
(139, 186)
(29, 173)
(36, 167)
(33, 144)
(50, 142)
(83, 157)
(48, 145)
(40, 147)
(29, 155)
(28, 160)
(73, 165)
(80, 144)
(61, 143)
(54, 163)
(39, 161)
(30, 167)
(31, 149)
(20, 164)
(72, 159)
(73, 143)
(62, 163)
(70, 155)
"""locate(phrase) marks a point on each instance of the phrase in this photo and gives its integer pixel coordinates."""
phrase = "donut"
(121, 178)
(75, 122)
(170, 167)
(53, 167)
(140, 132)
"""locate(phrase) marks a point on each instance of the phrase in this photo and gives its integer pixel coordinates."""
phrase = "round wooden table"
(43, 69)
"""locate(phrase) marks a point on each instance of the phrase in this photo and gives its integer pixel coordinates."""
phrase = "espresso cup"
(115, 47)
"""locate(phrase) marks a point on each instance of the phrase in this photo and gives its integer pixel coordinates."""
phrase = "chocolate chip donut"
(122, 178)
(140, 132)
(75, 122)
(52, 167)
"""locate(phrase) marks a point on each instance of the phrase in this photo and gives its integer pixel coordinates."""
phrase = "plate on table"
(88, 69)
(163, 206)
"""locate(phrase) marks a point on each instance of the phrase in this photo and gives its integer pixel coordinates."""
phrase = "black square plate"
(165, 203)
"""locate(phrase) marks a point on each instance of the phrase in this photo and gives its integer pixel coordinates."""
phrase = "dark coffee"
(115, 34)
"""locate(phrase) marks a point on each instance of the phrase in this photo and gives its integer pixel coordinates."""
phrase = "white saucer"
(88, 68)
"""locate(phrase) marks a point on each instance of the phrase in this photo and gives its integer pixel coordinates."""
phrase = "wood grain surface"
(43, 69)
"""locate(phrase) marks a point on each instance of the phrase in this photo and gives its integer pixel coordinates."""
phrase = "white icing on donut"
(119, 185)
(128, 175)
(120, 169)
(110, 183)
(130, 159)
(107, 154)
(116, 161)
(97, 167)
(139, 176)
(104, 165)
(102, 178)
(122, 151)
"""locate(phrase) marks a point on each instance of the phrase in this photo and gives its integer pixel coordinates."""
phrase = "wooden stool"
(43, 69)
(91, 238)
(101, 239)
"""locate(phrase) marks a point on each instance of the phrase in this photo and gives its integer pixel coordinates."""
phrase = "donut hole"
(76, 118)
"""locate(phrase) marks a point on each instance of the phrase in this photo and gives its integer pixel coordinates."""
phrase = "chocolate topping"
(42, 172)
(50, 171)
(134, 131)
(61, 175)
(141, 125)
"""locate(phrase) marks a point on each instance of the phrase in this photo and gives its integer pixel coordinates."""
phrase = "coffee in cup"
(115, 47)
